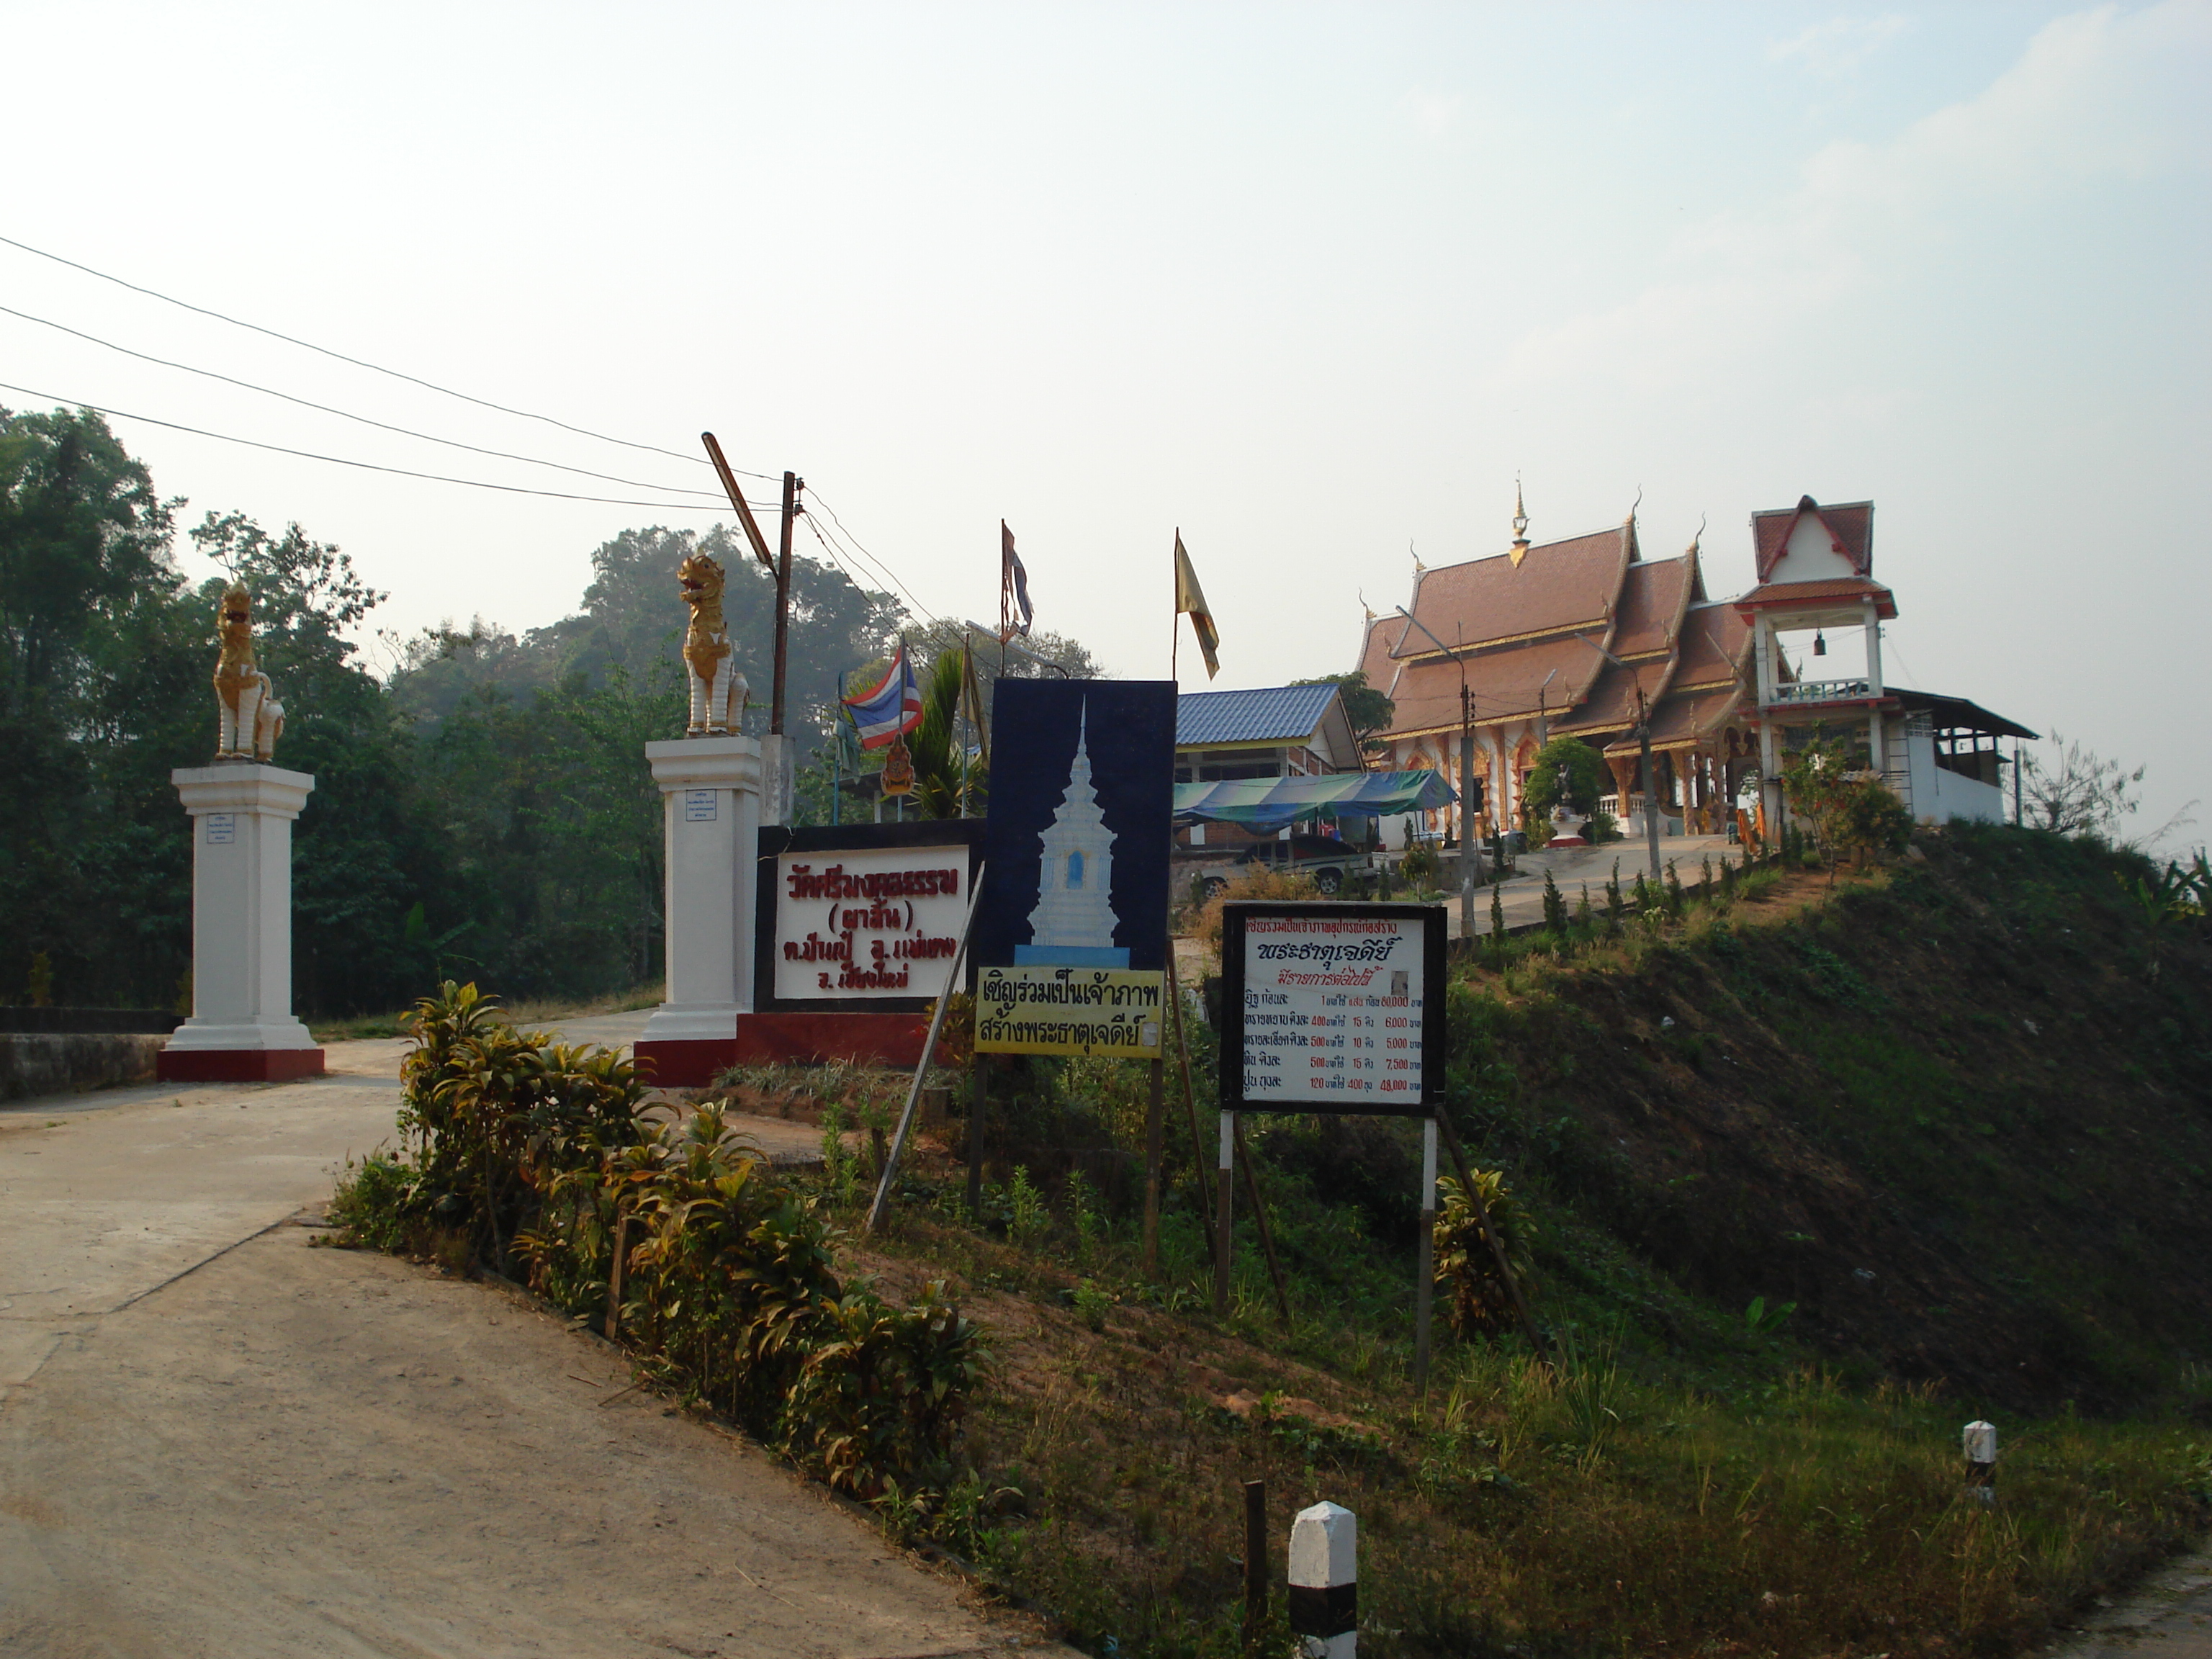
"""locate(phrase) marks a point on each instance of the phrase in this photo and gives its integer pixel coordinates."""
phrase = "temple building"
(1587, 638)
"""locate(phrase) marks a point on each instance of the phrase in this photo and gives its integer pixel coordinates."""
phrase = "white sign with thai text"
(1334, 1009)
(863, 923)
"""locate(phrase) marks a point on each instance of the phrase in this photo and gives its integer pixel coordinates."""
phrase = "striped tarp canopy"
(1273, 803)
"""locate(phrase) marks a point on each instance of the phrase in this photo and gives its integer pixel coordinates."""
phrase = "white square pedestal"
(242, 1029)
(710, 790)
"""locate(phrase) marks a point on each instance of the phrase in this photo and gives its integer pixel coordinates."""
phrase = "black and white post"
(1325, 1581)
(1980, 1441)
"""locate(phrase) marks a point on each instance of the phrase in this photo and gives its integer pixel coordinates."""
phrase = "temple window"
(1074, 871)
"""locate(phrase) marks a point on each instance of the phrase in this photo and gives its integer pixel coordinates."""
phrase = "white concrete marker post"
(242, 1029)
(1325, 1581)
(710, 790)
(1980, 1441)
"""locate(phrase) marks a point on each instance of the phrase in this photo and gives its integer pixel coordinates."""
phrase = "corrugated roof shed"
(1277, 714)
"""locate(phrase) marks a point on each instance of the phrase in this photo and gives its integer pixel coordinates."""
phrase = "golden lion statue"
(718, 690)
(249, 719)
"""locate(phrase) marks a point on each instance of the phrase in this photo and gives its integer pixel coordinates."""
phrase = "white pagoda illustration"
(1073, 925)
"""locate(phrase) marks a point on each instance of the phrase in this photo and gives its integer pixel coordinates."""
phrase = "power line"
(385, 426)
(854, 542)
(358, 362)
(340, 461)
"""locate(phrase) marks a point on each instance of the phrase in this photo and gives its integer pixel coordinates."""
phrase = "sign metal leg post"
(1224, 1211)
(1425, 1288)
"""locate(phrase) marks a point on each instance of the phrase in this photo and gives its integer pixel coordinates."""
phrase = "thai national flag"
(892, 709)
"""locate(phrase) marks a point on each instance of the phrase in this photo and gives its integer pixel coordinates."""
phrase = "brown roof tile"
(1611, 704)
(1653, 596)
(1685, 717)
(1851, 524)
(1505, 684)
(1834, 587)
(1557, 585)
(1716, 644)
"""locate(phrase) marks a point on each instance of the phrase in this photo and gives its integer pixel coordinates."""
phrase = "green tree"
(1586, 779)
(1366, 709)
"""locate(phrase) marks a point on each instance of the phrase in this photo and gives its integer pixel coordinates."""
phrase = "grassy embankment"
(1817, 1176)
(1954, 1112)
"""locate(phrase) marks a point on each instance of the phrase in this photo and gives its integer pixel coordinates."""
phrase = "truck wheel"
(1216, 886)
(1328, 881)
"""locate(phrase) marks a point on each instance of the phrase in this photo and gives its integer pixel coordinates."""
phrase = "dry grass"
(1596, 1507)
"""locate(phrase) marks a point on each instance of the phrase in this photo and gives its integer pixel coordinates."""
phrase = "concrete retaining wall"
(43, 1063)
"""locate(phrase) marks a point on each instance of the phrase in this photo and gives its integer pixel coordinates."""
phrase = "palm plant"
(942, 765)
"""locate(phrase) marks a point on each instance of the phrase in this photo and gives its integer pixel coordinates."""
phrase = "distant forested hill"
(485, 811)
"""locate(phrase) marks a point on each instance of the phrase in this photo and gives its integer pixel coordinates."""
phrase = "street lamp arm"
(1440, 645)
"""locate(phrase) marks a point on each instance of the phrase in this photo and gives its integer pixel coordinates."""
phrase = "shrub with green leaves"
(1477, 1299)
(547, 1155)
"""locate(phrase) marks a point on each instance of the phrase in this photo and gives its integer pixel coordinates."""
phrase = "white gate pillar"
(242, 1029)
(710, 790)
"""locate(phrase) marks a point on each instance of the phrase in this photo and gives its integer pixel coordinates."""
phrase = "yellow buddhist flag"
(1190, 599)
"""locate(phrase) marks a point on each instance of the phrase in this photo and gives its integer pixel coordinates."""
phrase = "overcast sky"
(1313, 283)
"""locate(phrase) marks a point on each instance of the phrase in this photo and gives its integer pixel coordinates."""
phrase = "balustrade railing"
(1823, 690)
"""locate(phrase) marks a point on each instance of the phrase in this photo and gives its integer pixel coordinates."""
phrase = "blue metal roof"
(1278, 714)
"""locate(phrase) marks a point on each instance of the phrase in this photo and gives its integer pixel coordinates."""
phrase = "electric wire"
(888, 578)
(360, 362)
(366, 466)
(385, 426)
(854, 543)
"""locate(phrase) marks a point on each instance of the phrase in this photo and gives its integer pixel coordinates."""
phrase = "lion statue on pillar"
(248, 718)
(718, 690)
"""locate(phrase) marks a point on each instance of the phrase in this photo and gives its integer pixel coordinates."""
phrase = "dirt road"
(215, 1440)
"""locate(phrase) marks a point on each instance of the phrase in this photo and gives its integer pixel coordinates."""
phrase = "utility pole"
(792, 485)
(1465, 775)
(1465, 813)
(778, 565)
(1650, 781)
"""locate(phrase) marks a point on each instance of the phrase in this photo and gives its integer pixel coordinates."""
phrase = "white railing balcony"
(1823, 691)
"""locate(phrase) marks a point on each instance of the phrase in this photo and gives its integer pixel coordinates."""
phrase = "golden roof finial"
(1520, 525)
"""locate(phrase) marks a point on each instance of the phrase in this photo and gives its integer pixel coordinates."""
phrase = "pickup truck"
(1330, 862)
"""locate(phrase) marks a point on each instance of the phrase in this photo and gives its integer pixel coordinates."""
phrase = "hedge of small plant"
(540, 1160)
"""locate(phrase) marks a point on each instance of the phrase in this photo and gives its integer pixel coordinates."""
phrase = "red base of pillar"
(237, 1065)
(805, 1039)
(692, 1063)
(1564, 840)
(785, 1039)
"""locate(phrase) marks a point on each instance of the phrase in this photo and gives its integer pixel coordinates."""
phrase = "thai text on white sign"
(868, 922)
(1334, 1009)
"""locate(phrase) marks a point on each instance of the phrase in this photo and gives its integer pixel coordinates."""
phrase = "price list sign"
(1327, 1008)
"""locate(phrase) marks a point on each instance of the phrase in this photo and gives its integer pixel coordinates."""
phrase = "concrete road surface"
(215, 1440)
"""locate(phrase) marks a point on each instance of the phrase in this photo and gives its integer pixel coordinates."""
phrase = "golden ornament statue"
(718, 690)
(249, 719)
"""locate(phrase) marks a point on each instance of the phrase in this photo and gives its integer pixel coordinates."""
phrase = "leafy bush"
(543, 1154)
(377, 1202)
(1477, 1299)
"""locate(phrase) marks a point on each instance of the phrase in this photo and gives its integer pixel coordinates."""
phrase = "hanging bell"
(1820, 645)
